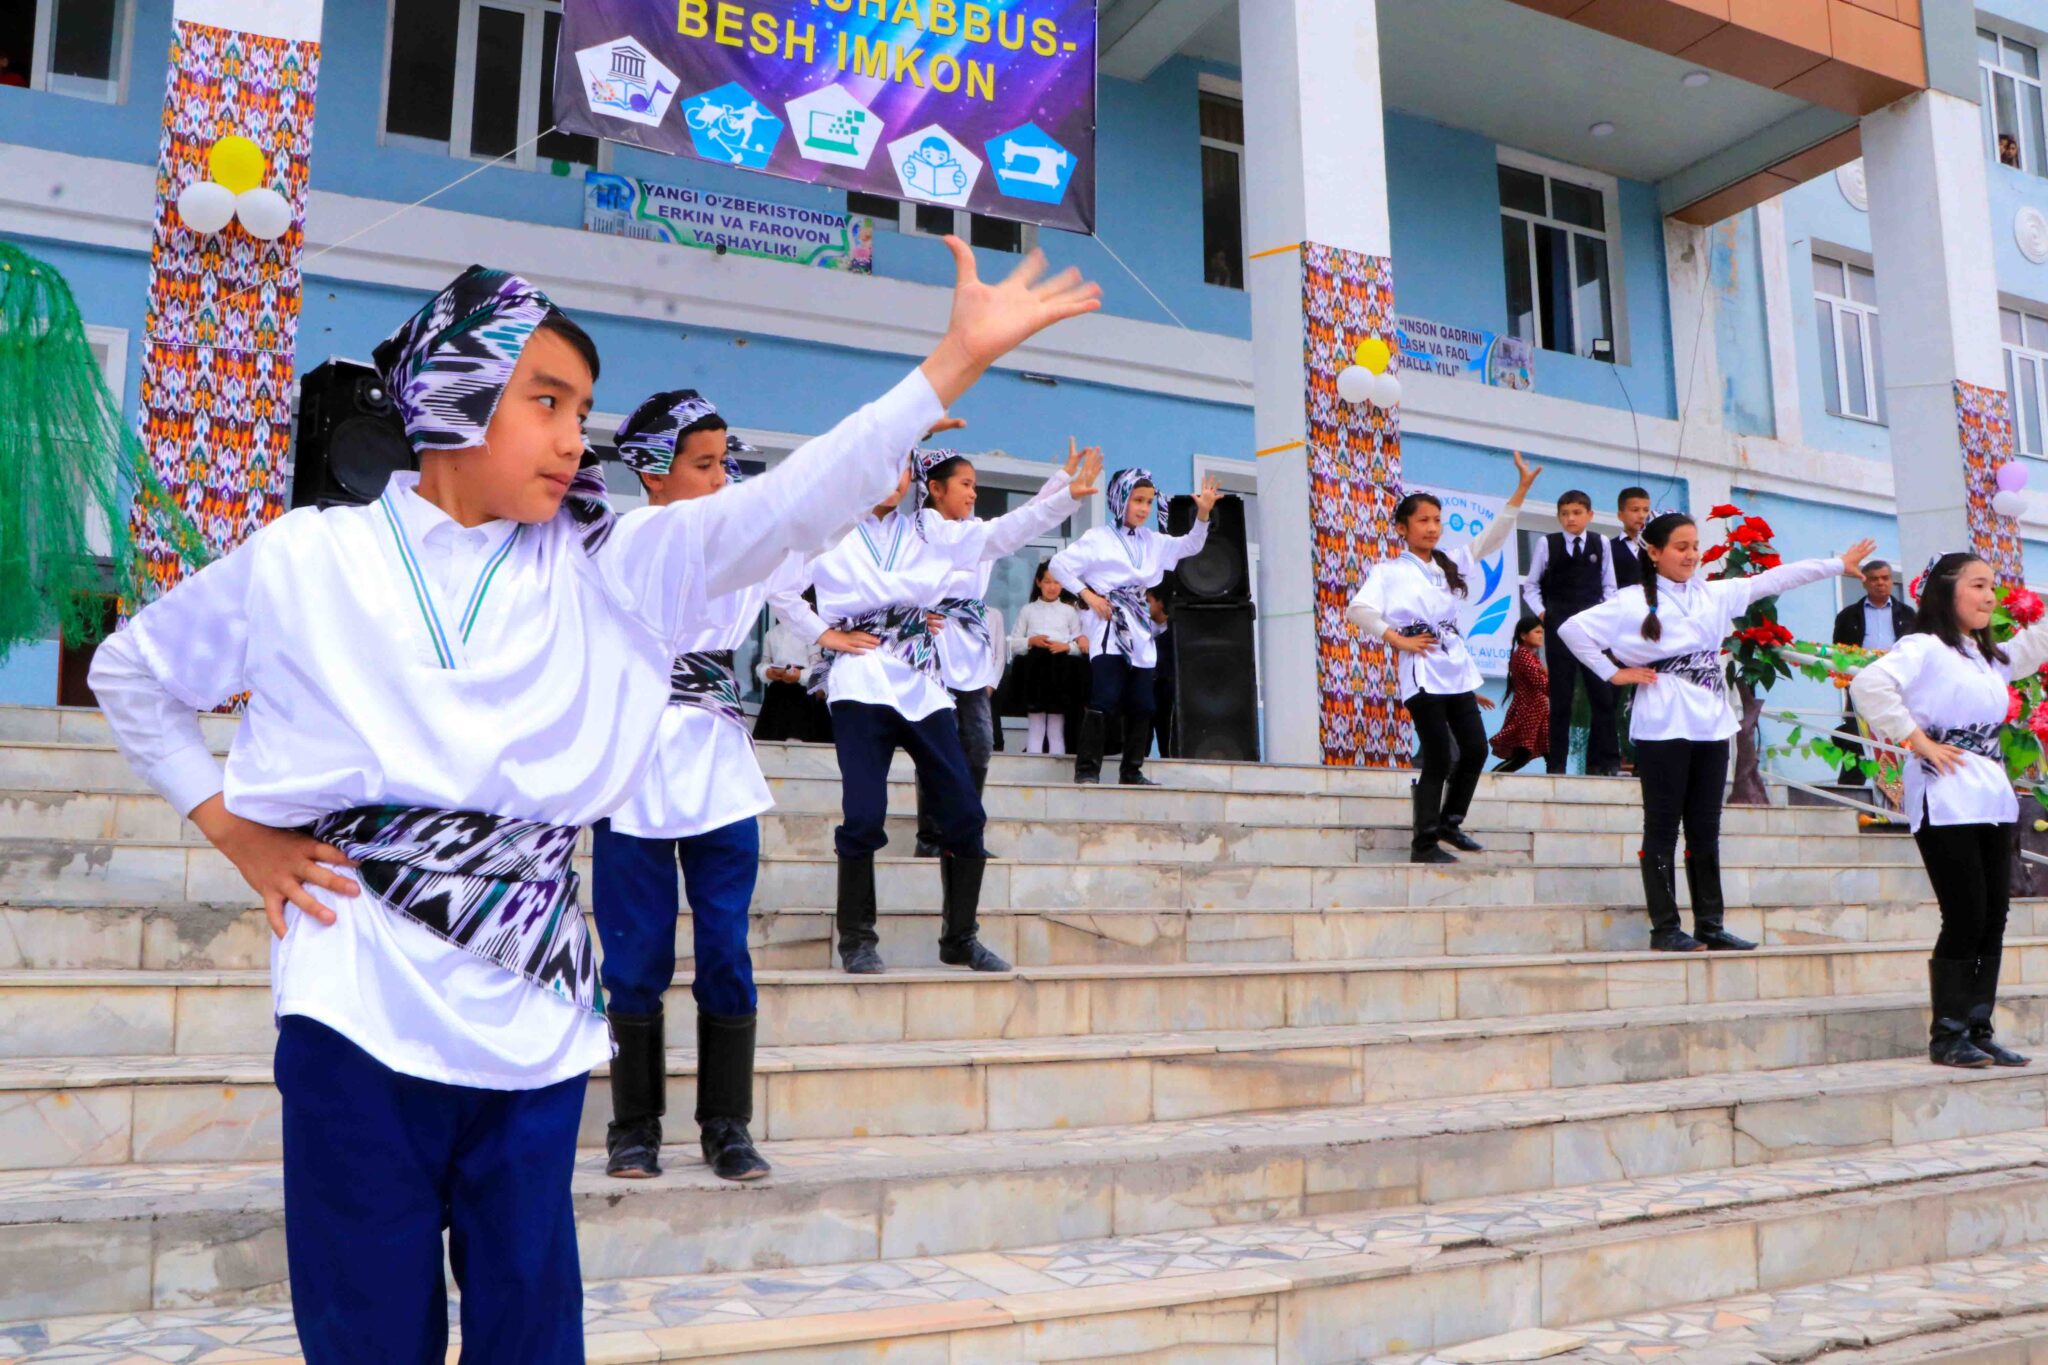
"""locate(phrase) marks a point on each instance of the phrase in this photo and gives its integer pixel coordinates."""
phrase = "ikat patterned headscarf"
(923, 462)
(647, 439)
(1122, 484)
(447, 367)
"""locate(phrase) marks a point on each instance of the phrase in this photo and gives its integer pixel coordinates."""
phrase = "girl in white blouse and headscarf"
(1667, 635)
(1943, 694)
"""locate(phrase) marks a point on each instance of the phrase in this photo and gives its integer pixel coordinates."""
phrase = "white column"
(1789, 415)
(1315, 159)
(1695, 334)
(1937, 295)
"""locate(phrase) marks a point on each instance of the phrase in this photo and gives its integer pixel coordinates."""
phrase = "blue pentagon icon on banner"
(1029, 164)
(729, 125)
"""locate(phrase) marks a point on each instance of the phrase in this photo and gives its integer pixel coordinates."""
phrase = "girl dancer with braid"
(1943, 694)
(1668, 633)
(968, 660)
(881, 586)
(446, 686)
(1411, 602)
(1109, 569)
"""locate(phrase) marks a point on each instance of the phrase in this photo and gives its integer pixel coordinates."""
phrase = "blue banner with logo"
(985, 107)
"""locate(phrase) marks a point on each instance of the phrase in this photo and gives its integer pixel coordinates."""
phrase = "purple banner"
(986, 107)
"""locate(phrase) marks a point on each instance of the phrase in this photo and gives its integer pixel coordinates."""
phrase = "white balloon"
(264, 212)
(1386, 389)
(1354, 383)
(205, 206)
(2010, 504)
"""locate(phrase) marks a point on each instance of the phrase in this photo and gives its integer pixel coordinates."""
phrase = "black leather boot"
(959, 945)
(1088, 751)
(927, 825)
(725, 1096)
(632, 1143)
(980, 776)
(1703, 878)
(1660, 895)
(1457, 801)
(1983, 999)
(1950, 985)
(856, 916)
(1427, 800)
(1131, 769)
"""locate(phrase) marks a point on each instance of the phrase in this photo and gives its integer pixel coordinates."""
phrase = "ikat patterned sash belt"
(1127, 606)
(498, 887)
(1702, 669)
(903, 631)
(1443, 630)
(1981, 740)
(968, 615)
(706, 679)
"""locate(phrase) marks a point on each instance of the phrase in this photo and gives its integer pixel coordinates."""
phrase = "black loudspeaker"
(350, 439)
(1222, 572)
(1216, 676)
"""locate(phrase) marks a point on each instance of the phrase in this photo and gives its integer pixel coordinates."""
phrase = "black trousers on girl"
(1682, 781)
(1971, 869)
(1443, 791)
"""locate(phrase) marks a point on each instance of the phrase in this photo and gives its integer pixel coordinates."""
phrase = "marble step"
(108, 818)
(1308, 1291)
(134, 873)
(229, 936)
(161, 1108)
(187, 1013)
(1990, 1308)
(867, 1198)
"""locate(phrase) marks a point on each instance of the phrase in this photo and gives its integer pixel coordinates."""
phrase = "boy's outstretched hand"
(991, 320)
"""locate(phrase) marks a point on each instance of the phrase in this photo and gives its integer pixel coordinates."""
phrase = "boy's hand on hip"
(278, 864)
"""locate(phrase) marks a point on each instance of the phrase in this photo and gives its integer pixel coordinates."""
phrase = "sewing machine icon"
(1030, 164)
(1047, 164)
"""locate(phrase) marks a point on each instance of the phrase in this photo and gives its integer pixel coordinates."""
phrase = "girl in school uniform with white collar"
(1943, 693)
(1411, 603)
(1667, 634)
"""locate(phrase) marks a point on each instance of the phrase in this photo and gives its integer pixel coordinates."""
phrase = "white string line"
(1166, 308)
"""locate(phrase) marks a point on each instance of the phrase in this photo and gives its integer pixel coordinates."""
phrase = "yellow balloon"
(236, 162)
(1374, 354)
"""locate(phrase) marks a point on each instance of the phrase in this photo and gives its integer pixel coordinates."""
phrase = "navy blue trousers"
(377, 1164)
(867, 738)
(1117, 686)
(633, 895)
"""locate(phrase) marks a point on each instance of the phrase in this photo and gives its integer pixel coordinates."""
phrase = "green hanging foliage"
(68, 466)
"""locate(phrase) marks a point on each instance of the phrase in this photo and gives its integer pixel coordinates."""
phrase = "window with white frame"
(1851, 355)
(68, 47)
(1558, 244)
(476, 78)
(1222, 125)
(2010, 75)
(936, 220)
(2025, 336)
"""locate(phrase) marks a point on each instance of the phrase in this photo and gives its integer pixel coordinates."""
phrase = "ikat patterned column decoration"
(1354, 478)
(217, 363)
(1984, 434)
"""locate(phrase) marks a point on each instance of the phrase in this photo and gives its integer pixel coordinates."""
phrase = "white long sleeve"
(660, 562)
(973, 541)
(1488, 542)
(2028, 650)
(158, 734)
(1589, 634)
(1747, 592)
(1532, 582)
(1878, 693)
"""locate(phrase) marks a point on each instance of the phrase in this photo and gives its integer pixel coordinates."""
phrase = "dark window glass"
(494, 107)
(1222, 118)
(421, 102)
(1522, 191)
(82, 42)
(879, 207)
(572, 147)
(1554, 286)
(934, 219)
(1514, 244)
(1577, 205)
(1595, 301)
(1830, 371)
(998, 234)
(1222, 217)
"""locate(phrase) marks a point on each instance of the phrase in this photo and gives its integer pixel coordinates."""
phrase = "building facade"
(1751, 249)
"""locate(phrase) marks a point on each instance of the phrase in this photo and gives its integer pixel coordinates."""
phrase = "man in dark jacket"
(1878, 621)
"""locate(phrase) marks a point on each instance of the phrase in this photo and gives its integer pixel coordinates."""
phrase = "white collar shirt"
(1110, 558)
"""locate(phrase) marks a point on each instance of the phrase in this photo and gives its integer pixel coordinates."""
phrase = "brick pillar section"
(217, 361)
(1937, 293)
(1319, 269)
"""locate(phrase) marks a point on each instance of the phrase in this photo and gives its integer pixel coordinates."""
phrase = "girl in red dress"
(1525, 734)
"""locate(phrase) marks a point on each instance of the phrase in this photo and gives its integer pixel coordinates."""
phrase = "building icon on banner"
(623, 80)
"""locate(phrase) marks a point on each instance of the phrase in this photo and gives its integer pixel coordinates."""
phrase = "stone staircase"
(1257, 1090)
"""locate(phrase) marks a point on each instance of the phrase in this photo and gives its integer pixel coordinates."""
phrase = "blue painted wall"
(1741, 335)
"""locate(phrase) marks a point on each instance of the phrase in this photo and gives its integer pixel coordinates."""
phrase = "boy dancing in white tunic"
(444, 686)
